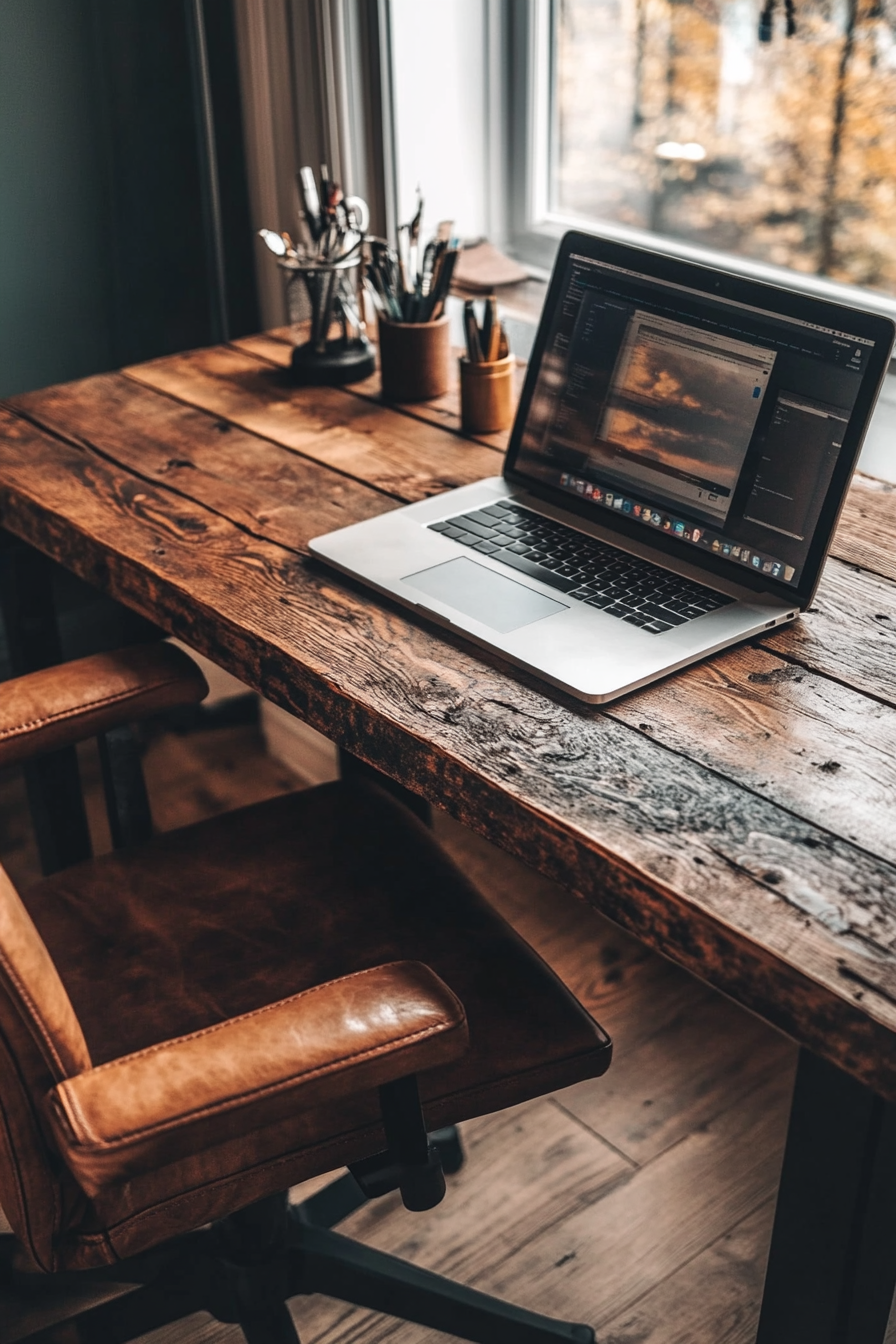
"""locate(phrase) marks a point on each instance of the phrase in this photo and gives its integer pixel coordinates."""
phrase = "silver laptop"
(681, 452)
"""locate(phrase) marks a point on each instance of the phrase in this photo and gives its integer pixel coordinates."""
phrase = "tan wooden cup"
(486, 395)
(415, 359)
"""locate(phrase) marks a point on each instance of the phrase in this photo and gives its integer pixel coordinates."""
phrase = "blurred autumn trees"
(784, 151)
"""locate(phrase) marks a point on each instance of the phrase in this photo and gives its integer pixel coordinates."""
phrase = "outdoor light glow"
(671, 149)
(704, 139)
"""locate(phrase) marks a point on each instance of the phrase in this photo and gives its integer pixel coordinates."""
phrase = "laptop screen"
(707, 418)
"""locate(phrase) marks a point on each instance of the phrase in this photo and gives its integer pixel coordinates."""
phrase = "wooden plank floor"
(640, 1203)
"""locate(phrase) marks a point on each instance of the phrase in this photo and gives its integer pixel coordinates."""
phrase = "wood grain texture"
(852, 634)
(865, 534)
(823, 750)
(597, 1263)
(735, 1160)
(405, 458)
(260, 486)
(758, 719)
(275, 347)
(780, 906)
(849, 633)
(547, 1168)
(718, 1059)
(713, 1299)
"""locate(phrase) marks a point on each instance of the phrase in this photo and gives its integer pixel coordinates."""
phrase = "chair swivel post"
(412, 1162)
(421, 1179)
(249, 1275)
(371, 1178)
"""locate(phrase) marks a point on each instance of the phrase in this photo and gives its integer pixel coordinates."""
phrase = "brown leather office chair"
(191, 1025)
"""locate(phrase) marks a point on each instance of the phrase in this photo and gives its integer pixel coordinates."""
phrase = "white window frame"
(534, 230)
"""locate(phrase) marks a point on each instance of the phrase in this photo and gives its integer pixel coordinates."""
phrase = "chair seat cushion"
(221, 918)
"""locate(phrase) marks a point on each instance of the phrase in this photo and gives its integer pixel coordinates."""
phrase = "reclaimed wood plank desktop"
(737, 817)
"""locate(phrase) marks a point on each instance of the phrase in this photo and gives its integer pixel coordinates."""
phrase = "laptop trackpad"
(502, 604)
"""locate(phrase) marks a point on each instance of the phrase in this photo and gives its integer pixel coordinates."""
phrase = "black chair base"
(246, 1267)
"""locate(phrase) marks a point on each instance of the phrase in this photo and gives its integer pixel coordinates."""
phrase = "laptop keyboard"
(589, 570)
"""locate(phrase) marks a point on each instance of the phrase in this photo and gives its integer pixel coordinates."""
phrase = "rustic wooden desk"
(738, 817)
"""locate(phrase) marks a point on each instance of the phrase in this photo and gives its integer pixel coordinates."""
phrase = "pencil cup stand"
(486, 395)
(415, 359)
(332, 290)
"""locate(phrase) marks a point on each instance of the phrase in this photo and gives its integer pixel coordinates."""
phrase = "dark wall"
(104, 254)
(54, 277)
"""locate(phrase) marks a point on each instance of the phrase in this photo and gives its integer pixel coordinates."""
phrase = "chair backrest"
(41, 1042)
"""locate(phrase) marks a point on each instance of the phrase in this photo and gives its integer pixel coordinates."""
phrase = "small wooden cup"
(486, 395)
(415, 359)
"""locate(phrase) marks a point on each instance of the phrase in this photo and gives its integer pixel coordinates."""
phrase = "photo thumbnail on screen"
(681, 410)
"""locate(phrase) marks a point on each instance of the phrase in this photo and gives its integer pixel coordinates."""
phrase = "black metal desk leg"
(127, 802)
(53, 781)
(832, 1265)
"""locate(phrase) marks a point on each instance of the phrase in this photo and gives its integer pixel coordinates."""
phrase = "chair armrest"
(172, 1100)
(59, 706)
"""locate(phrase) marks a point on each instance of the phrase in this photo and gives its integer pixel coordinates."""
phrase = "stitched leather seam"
(30, 724)
(247, 1017)
(189, 1198)
(24, 1205)
(240, 1098)
(322, 1149)
(35, 1015)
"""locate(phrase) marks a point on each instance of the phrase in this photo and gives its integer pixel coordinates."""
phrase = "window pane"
(673, 116)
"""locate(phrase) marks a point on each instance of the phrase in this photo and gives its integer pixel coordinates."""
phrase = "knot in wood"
(438, 700)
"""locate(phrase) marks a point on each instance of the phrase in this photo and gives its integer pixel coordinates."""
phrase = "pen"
(445, 274)
(410, 283)
(310, 202)
(488, 343)
(471, 331)
(491, 330)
